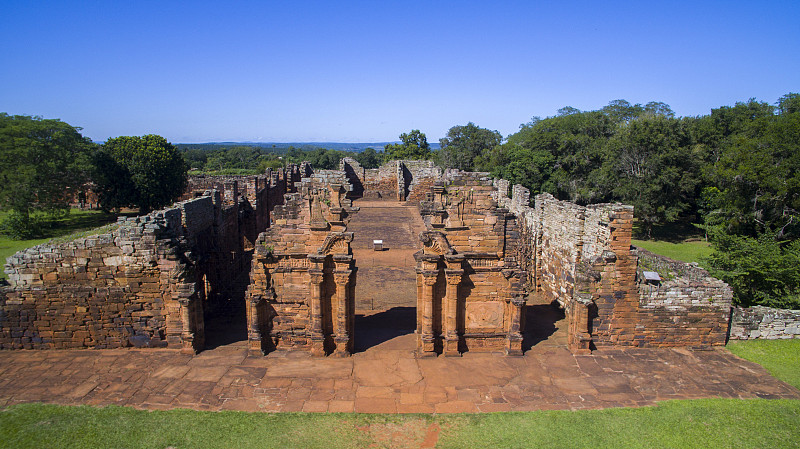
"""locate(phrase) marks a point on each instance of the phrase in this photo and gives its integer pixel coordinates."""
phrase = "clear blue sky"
(366, 71)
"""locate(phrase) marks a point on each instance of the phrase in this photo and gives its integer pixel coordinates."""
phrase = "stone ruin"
(279, 245)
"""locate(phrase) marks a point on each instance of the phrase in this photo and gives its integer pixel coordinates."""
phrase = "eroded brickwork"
(581, 257)
(148, 281)
(470, 287)
(303, 274)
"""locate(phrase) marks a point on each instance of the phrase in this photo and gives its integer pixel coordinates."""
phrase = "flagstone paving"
(385, 378)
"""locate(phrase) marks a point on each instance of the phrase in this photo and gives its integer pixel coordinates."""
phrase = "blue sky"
(367, 71)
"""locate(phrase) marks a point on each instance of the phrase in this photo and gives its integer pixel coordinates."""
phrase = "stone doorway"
(386, 290)
(224, 310)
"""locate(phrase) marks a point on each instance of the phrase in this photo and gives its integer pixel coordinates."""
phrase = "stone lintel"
(317, 258)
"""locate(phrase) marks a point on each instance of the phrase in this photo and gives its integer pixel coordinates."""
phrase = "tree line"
(735, 173)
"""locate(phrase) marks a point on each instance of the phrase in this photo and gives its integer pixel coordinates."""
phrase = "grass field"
(689, 251)
(780, 357)
(76, 221)
(703, 423)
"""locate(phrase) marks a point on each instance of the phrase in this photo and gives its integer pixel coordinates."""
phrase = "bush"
(19, 226)
(761, 271)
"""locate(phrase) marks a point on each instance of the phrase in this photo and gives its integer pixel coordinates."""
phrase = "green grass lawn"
(76, 221)
(704, 423)
(780, 357)
(690, 251)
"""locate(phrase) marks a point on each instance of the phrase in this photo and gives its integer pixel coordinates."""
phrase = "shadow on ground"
(372, 330)
(541, 321)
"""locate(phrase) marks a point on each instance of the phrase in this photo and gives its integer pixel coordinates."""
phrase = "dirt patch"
(409, 433)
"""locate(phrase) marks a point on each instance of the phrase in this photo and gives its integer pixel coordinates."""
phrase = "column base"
(318, 347)
(451, 348)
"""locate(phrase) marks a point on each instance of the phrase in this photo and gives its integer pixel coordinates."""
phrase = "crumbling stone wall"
(470, 289)
(148, 281)
(398, 180)
(133, 285)
(301, 295)
(748, 323)
(581, 258)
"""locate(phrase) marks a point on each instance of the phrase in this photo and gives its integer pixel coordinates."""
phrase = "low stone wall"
(765, 323)
(115, 289)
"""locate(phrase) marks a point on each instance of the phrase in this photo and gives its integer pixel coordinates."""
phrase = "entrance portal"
(386, 291)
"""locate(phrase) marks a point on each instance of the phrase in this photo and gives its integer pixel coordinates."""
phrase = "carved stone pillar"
(426, 344)
(580, 337)
(187, 336)
(451, 312)
(317, 290)
(254, 337)
(515, 310)
(341, 329)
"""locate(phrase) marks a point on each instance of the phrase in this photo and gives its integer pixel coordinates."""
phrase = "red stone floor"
(384, 378)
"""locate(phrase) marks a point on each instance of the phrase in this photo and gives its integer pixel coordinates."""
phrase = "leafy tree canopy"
(414, 146)
(465, 143)
(43, 164)
(146, 172)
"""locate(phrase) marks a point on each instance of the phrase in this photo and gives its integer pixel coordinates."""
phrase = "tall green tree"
(414, 145)
(43, 164)
(146, 172)
(651, 165)
(465, 143)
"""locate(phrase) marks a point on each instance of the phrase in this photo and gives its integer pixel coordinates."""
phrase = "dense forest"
(733, 175)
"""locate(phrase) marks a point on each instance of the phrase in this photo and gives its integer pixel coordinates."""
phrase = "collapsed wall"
(147, 282)
(398, 180)
(582, 258)
(749, 323)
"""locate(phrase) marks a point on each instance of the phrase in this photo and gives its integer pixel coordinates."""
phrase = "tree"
(43, 164)
(146, 172)
(414, 146)
(369, 158)
(651, 166)
(464, 143)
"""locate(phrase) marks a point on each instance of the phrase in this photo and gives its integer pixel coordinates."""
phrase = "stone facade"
(764, 322)
(281, 239)
(303, 273)
(470, 289)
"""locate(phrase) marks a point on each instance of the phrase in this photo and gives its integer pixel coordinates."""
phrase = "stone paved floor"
(386, 278)
(386, 378)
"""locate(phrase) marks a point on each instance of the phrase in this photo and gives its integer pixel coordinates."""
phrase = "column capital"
(342, 276)
(316, 276)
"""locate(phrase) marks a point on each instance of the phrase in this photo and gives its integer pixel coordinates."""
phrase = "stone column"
(187, 335)
(254, 337)
(341, 332)
(426, 343)
(451, 312)
(515, 310)
(317, 289)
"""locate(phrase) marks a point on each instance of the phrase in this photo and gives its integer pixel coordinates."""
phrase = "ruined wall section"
(470, 286)
(582, 258)
(764, 322)
(133, 285)
(303, 274)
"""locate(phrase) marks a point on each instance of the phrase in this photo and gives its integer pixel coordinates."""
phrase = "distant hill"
(283, 146)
